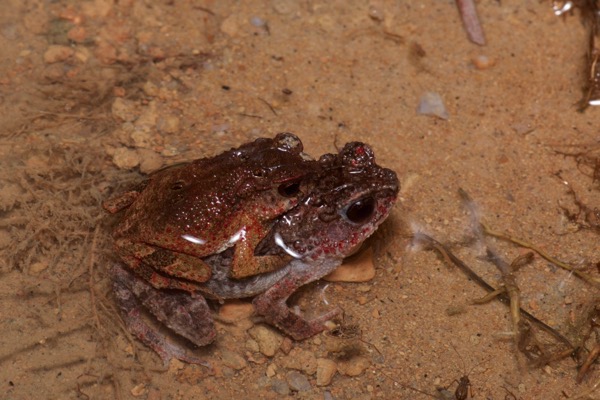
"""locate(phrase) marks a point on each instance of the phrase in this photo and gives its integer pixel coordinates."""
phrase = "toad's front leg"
(272, 303)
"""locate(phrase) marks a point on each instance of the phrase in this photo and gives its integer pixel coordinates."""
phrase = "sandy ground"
(94, 94)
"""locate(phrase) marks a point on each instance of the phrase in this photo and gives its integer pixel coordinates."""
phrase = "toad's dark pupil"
(289, 189)
(361, 210)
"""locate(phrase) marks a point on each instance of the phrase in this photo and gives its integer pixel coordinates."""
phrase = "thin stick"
(468, 14)
(588, 363)
(503, 298)
(91, 278)
(542, 253)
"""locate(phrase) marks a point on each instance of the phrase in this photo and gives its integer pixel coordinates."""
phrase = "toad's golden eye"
(361, 210)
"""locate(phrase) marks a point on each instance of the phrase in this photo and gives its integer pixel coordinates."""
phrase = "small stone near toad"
(124, 109)
(138, 390)
(455, 309)
(125, 158)
(140, 137)
(37, 267)
(230, 26)
(252, 345)
(432, 104)
(77, 34)
(258, 22)
(376, 12)
(298, 382)
(233, 360)
(148, 117)
(301, 360)
(57, 53)
(150, 89)
(271, 370)
(280, 387)
(358, 268)
(326, 370)
(151, 161)
(175, 365)
(354, 366)
(235, 310)
(168, 124)
(267, 339)
(287, 345)
(482, 62)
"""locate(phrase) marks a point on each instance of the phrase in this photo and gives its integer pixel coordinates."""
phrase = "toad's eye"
(361, 210)
(289, 189)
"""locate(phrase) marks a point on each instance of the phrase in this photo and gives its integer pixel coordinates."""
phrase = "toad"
(184, 213)
(348, 195)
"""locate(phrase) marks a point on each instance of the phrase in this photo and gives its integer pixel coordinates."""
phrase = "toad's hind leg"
(186, 315)
(161, 267)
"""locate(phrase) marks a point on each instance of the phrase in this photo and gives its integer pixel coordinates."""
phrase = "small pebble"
(150, 161)
(258, 22)
(280, 387)
(230, 26)
(77, 34)
(301, 360)
(326, 370)
(124, 109)
(57, 53)
(474, 339)
(376, 12)
(271, 370)
(168, 124)
(125, 158)
(482, 62)
(287, 345)
(432, 104)
(233, 360)
(37, 267)
(358, 268)
(268, 340)
(150, 89)
(298, 382)
(236, 310)
(252, 345)
(138, 390)
(354, 366)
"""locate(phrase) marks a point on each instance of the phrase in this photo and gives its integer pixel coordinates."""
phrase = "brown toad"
(349, 197)
(184, 213)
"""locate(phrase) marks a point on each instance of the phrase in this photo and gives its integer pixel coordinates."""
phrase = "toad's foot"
(186, 315)
(272, 304)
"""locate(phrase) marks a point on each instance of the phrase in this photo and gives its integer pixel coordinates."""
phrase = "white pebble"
(432, 104)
